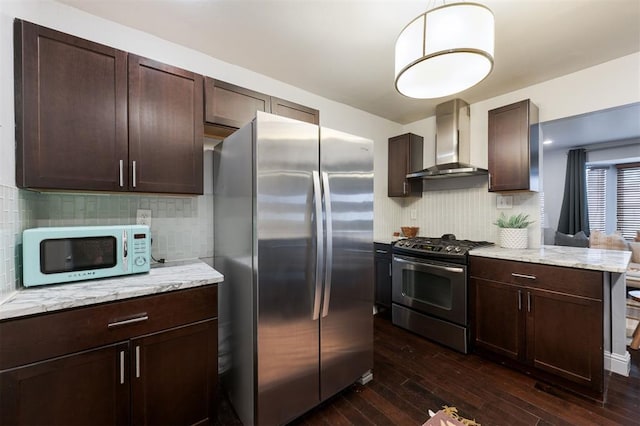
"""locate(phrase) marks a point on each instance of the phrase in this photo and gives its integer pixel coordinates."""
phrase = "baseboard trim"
(617, 363)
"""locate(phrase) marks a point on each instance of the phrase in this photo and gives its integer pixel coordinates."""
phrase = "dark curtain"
(574, 215)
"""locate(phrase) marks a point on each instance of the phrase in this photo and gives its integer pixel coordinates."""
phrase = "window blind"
(596, 197)
(628, 204)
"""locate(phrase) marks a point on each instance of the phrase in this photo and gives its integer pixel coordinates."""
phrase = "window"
(628, 196)
(596, 197)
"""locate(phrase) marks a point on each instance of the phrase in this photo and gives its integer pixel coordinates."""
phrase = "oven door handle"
(431, 265)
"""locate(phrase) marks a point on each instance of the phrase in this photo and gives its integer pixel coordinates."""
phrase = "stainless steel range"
(430, 288)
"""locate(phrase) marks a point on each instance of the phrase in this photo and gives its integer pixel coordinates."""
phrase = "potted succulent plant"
(513, 230)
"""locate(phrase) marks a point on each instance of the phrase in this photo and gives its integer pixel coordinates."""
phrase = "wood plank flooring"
(413, 375)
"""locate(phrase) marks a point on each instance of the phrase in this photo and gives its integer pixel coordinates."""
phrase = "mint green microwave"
(74, 253)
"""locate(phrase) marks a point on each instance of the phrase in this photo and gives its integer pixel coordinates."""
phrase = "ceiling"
(344, 49)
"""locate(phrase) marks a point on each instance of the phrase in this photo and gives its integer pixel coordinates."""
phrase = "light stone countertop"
(160, 279)
(571, 257)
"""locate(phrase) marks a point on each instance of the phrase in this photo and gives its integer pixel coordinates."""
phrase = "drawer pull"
(141, 318)
(529, 277)
(381, 251)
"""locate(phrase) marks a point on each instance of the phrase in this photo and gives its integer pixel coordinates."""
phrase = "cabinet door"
(499, 324)
(295, 111)
(71, 111)
(565, 337)
(509, 147)
(166, 128)
(405, 156)
(174, 374)
(232, 106)
(86, 388)
(382, 265)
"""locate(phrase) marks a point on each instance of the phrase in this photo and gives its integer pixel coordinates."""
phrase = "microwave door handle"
(125, 251)
(430, 265)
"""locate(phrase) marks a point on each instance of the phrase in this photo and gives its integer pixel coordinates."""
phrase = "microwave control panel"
(141, 253)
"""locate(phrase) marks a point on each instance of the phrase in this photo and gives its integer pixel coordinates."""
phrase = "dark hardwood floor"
(412, 375)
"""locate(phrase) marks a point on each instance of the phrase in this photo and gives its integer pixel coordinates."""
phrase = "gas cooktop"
(445, 245)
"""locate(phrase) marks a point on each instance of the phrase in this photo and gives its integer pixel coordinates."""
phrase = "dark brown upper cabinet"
(85, 120)
(71, 111)
(514, 147)
(229, 107)
(405, 156)
(295, 111)
(165, 128)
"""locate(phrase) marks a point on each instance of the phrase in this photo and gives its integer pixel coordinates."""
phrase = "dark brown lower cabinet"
(79, 389)
(545, 320)
(154, 362)
(174, 376)
(382, 267)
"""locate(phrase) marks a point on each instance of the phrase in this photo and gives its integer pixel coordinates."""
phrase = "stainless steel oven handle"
(317, 197)
(431, 265)
(329, 231)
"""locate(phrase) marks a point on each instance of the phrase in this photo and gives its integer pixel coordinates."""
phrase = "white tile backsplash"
(448, 207)
(16, 214)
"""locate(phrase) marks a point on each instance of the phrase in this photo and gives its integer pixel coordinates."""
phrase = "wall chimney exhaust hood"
(453, 148)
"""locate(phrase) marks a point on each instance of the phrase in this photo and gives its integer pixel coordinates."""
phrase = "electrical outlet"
(143, 217)
(413, 214)
(504, 201)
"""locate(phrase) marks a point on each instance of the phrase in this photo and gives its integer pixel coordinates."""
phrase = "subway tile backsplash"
(16, 214)
(181, 227)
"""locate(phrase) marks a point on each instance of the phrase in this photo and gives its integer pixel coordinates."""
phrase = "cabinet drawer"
(44, 336)
(382, 250)
(576, 282)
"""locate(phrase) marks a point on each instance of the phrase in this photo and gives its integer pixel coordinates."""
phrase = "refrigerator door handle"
(317, 197)
(329, 231)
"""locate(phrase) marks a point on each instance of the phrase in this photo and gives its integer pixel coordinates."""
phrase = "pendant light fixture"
(444, 51)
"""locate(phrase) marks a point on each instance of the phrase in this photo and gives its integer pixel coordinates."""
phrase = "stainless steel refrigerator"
(293, 236)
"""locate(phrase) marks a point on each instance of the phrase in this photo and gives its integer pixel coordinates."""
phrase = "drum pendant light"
(444, 51)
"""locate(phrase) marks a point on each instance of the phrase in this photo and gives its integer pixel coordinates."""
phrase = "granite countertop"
(161, 278)
(571, 257)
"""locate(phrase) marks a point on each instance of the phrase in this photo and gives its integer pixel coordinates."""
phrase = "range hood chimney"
(453, 148)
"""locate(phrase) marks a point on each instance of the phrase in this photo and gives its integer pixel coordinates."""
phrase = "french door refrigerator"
(293, 236)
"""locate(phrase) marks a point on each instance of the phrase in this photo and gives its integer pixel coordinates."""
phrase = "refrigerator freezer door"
(346, 327)
(287, 154)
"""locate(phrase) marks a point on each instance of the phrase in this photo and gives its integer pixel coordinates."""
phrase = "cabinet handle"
(138, 361)
(134, 173)
(122, 367)
(381, 251)
(519, 300)
(404, 187)
(489, 180)
(528, 302)
(390, 270)
(529, 277)
(139, 318)
(121, 173)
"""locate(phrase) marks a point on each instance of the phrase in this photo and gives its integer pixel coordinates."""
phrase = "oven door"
(431, 287)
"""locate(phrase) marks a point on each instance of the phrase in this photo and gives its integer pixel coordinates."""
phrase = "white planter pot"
(514, 238)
